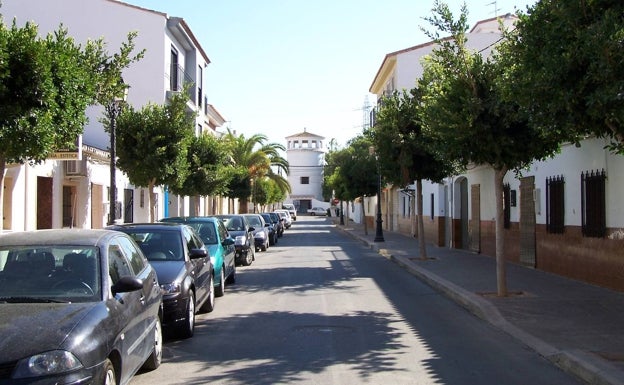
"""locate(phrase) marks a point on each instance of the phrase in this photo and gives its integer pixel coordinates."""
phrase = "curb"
(583, 365)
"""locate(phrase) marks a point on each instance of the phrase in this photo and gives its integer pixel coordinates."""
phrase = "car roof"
(77, 237)
(189, 219)
(169, 226)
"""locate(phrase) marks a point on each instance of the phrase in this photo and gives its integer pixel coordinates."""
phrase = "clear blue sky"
(279, 66)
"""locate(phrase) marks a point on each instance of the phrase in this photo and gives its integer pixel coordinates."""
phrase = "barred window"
(593, 205)
(507, 205)
(555, 207)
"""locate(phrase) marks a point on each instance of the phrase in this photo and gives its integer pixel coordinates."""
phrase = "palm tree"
(255, 159)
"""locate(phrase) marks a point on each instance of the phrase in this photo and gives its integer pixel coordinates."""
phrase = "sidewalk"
(577, 326)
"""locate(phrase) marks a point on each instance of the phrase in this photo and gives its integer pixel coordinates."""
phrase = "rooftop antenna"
(496, 9)
(366, 107)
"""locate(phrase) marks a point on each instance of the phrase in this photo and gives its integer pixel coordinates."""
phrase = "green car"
(220, 246)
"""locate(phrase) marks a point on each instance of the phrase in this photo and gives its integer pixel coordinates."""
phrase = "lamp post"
(113, 109)
(379, 237)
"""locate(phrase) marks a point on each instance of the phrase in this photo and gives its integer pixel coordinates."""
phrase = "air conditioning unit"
(75, 167)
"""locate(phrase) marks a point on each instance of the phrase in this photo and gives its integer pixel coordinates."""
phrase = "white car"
(317, 211)
(292, 210)
(285, 215)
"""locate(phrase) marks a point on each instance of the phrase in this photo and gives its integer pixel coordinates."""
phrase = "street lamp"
(113, 109)
(378, 230)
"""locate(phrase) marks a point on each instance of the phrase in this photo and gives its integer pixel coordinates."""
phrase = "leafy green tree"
(46, 84)
(208, 171)
(407, 151)
(333, 176)
(467, 103)
(254, 159)
(153, 145)
(566, 65)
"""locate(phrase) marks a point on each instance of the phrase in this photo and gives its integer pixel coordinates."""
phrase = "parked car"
(317, 211)
(242, 232)
(280, 223)
(184, 271)
(273, 228)
(285, 215)
(77, 306)
(220, 246)
(261, 231)
(292, 210)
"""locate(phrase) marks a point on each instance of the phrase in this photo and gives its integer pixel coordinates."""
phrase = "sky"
(281, 66)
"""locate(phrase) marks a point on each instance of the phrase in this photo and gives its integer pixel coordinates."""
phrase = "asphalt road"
(319, 308)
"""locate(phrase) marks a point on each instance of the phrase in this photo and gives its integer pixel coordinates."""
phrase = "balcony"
(177, 79)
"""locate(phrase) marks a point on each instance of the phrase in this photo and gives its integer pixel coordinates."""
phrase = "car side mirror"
(267, 225)
(228, 241)
(198, 253)
(252, 229)
(126, 284)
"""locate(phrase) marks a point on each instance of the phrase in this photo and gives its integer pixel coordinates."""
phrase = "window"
(137, 262)
(200, 81)
(117, 263)
(432, 207)
(506, 205)
(174, 82)
(593, 208)
(555, 207)
(305, 180)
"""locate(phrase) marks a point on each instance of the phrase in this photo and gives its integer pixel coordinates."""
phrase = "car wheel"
(249, 257)
(109, 374)
(264, 246)
(209, 305)
(154, 359)
(220, 289)
(187, 328)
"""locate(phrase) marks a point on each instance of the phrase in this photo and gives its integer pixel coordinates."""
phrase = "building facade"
(305, 154)
(74, 192)
(562, 215)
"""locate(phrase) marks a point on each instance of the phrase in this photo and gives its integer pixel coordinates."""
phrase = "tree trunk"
(421, 223)
(501, 276)
(364, 217)
(242, 206)
(152, 201)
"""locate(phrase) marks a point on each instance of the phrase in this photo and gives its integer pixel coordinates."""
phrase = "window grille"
(507, 205)
(593, 206)
(555, 206)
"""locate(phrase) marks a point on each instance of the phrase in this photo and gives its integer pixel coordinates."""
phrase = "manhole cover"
(324, 329)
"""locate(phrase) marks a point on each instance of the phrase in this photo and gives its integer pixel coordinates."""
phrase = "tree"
(567, 67)
(208, 172)
(46, 84)
(153, 145)
(352, 172)
(467, 104)
(255, 159)
(407, 151)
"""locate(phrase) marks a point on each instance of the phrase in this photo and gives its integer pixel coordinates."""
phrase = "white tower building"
(306, 157)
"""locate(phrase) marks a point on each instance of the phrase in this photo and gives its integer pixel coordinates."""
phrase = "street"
(319, 308)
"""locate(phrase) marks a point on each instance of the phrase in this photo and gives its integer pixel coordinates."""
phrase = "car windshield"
(206, 231)
(234, 224)
(255, 221)
(159, 245)
(50, 274)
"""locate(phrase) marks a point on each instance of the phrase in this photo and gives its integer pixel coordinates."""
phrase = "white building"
(562, 215)
(306, 157)
(74, 193)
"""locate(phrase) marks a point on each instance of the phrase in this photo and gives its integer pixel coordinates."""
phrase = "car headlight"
(52, 362)
(171, 288)
(239, 240)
